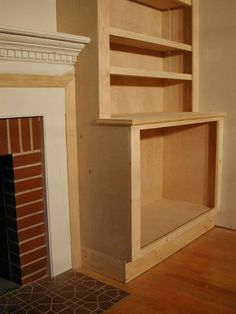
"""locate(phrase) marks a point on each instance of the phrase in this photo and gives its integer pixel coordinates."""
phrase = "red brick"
(25, 132)
(37, 130)
(27, 159)
(29, 197)
(14, 135)
(27, 172)
(33, 256)
(31, 233)
(30, 221)
(3, 136)
(32, 268)
(28, 184)
(32, 244)
(40, 275)
(29, 209)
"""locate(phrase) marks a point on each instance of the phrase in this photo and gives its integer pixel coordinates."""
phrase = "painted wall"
(31, 14)
(218, 88)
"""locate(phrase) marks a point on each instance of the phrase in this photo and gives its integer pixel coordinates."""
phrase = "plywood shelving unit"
(150, 164)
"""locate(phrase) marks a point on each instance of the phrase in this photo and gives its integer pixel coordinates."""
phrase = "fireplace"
(38, 154)
(23, 203)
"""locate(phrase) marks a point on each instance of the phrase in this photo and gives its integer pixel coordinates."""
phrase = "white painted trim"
(49, 103)
(51, 48)
(24, 67)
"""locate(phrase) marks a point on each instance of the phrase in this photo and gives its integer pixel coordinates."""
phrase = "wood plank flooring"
(199, 279)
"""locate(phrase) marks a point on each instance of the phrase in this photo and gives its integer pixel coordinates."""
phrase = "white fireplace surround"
(28, 52)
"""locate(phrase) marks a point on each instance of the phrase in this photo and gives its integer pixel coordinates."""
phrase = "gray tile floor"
(69, 293)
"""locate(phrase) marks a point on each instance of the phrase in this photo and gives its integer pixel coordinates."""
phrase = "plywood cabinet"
(150, 164)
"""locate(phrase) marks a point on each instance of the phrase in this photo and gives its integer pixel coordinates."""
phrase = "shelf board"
(164, 216)
(144, 118)
(166, 4)
(121, 71)
(127, 38)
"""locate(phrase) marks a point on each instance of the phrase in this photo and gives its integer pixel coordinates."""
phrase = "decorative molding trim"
(39, 47)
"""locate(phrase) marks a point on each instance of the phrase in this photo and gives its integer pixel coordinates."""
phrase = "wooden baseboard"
(150, 256)
(170, 245)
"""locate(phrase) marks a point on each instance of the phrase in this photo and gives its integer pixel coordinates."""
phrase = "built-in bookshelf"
(150, 165)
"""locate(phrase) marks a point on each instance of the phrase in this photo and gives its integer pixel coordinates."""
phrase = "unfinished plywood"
(147, 120)
(135, 17)
(147, 163)
(163, 216)
(166, 4)
(138, 40)
(189, 163)
(177, 25)
(132, 72)
(133, 57)
(151, 166)
(134, 95)
(154, 254)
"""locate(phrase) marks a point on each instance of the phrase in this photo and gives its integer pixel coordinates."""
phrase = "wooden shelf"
(163, 216)
(166, 4)
(121, 71)
(133, 39)
(157, 117)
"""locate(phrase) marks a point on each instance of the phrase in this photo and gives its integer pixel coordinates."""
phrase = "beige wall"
(31, 14)
(218, 88)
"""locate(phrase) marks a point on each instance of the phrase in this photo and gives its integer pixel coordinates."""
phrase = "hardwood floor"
(201, 279)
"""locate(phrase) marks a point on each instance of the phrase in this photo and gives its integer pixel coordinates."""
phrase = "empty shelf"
(157, 117)
(127, 38)
(166, 4)
(121, 71)
(163, 216)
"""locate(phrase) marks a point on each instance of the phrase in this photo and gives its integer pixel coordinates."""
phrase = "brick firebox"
(23, 180)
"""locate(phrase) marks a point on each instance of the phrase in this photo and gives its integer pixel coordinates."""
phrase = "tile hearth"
(67, 293)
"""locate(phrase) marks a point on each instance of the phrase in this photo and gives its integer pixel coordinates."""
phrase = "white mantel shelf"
(40, 47)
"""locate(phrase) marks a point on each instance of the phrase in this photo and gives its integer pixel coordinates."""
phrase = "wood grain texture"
(143, 19)
(165, 5)
(73, 181)
(27, 80)
(189, 163)
(122, 71)
(159, 250)
(134, 39)
(163, 216)
(198, 279)
(196, 55)
(145, 118)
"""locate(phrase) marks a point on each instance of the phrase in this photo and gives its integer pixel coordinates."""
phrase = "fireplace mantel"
(37, 72)
(35, 49)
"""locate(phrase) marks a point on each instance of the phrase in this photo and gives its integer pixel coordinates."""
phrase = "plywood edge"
(169, 245)
(103, 264)
(166, 4)
(195, 55)
(28, 80)
(185, 2)
(133, 72)
(159, 119)
(219, 163)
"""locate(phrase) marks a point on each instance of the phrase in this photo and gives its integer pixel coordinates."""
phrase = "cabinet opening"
(177, 177)
(138, 94)
(150, 60)
(168, 22)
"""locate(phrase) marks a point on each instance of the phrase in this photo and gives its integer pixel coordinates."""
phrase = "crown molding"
(40, 47)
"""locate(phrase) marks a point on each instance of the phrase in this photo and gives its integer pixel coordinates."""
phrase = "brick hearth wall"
(21, 137)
